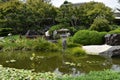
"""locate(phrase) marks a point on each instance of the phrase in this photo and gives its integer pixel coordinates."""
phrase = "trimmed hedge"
(86, 37)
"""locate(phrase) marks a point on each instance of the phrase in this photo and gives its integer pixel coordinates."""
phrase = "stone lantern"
(64, 33)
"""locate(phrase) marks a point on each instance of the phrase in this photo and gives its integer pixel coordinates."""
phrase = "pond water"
(57, 62)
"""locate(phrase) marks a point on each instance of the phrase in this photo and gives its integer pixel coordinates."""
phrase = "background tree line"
(41, 15)
(21, 16)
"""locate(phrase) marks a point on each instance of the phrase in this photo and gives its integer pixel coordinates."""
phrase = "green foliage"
(84, 14)
(67, 14)
(113, 27)
(5, 31)
(70, 43)
(72, 30)
(81, 27)
(100, 24)
(56, 27)
(43, 45)
(33, 14)
(77, 51)
(20, 74)
(24, 16)
(11, 14)
(15, 74)
(39, 44)
(116, 31)
(91, 10)
(99, 75)
(87, 37)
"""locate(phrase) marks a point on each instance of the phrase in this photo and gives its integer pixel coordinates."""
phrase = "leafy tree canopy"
(91, 10)
(83, 14)
(33, 14)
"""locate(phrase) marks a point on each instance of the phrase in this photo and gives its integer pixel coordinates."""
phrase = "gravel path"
(96, 49)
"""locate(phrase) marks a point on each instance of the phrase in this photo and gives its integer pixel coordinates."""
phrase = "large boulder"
(114, 51)
(112, 39)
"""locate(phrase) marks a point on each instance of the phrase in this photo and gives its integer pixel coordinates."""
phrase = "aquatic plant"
(96, 75)
(39, 44)
(21, 74)
(77, 51)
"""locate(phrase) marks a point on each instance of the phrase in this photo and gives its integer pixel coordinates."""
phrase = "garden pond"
(57, 62)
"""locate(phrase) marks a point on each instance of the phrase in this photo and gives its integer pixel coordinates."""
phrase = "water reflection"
(53, 62)
(56, 71)
(115, 67)
(75, 72)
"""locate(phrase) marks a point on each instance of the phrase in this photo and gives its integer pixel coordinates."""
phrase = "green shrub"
(77, 51)
(38, 44)
(5, 31)
(116, 31)
(71, 45)
(43, 45)
(57, 27)
(53, 28)
(113, 27)
(87, 37)
(81, 37)
(72, 30)
(100, 24)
